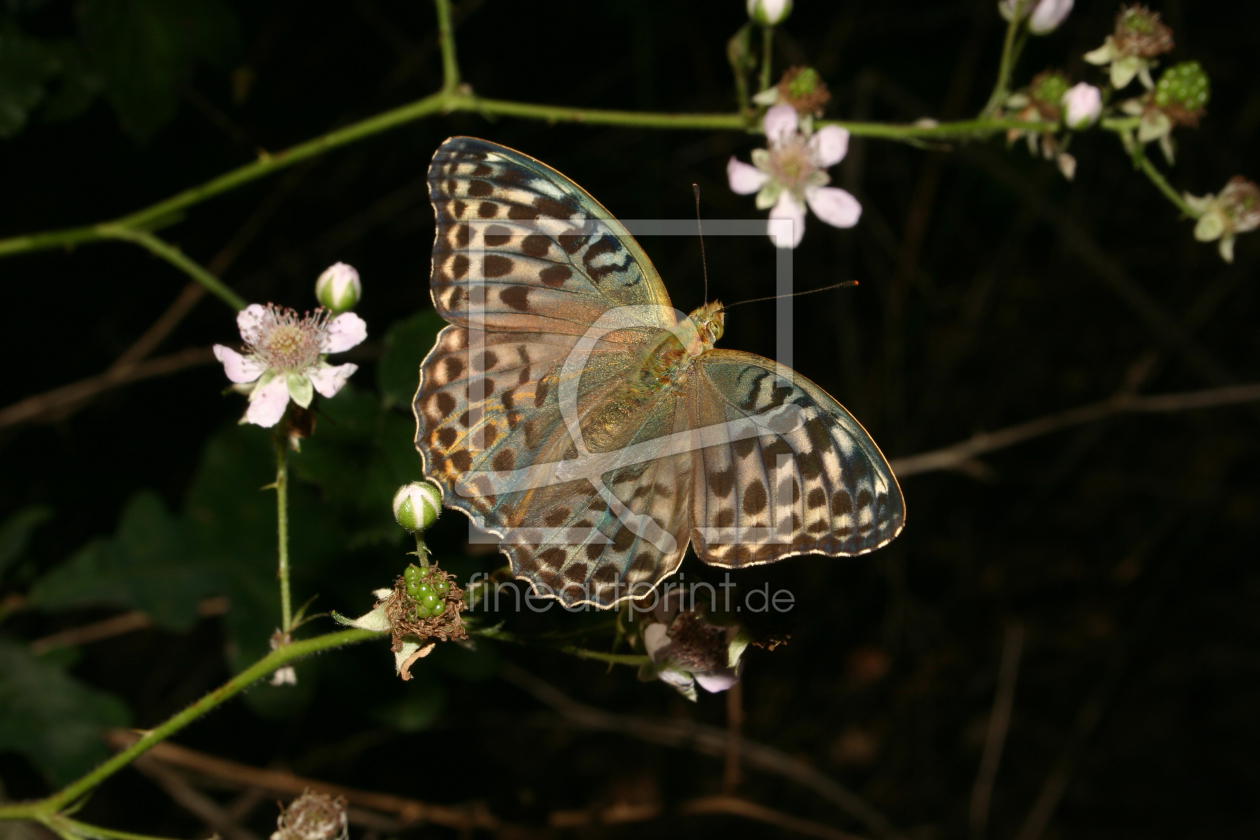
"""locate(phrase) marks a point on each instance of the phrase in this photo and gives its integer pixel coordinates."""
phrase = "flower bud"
(338, 288)
(1081, 106)
(1044, 16)
(769, 12)
(417, 505)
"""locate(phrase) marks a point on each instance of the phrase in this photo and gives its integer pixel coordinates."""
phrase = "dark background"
(992, 292)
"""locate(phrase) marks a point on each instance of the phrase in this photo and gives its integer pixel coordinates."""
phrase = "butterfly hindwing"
(810, 482)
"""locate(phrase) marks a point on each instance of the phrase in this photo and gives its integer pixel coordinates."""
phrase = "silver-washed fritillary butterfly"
(572, 411)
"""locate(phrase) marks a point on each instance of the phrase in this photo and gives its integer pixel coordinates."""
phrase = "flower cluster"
(791, 175)
(1044, 16)
(1049, 99)
(1131, 49)
(285, 355)
(1234, 210)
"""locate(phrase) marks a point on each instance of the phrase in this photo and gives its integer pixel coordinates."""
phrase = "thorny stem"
(1161, 183)
(46, 810)
(1001, 88)
(446, 38)
(632, 659)
(767, 54)
(282, 531)
(67, 827)
(160, 248)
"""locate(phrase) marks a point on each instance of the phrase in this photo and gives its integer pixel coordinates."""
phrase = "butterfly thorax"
(661, 371)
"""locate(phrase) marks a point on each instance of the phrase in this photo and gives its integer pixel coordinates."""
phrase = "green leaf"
(52, 718)
(15, 532)
(25, 64)
(419, 709)
(359, 456)
(146, 49)
(406, 342)
(148, 565)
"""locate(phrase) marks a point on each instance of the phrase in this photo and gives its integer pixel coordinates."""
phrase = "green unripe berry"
(1183, 85)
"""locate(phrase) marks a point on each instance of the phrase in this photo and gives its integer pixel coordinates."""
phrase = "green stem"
(633, 659)
(282, 531)
(1001, 88)
(160, 248)
(133, 226)
(64, 825)
(446, 38)
(767, 54)
(43, 809)
(1161, 183)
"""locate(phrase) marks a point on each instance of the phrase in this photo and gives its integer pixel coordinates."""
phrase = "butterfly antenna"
(794, 294)
(704, 264)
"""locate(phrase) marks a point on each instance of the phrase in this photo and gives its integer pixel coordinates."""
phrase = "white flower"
(338, 288)
(1044, 16)
(791, 174)
(1234, 210)
(769, 12)
(1082, 104)
(688, 650)
(284, 358)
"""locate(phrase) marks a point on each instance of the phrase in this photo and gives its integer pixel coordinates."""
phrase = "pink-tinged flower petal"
(249, 320)
(329, 380)
(830, 144)
(717, 680)
(344, 331)
(237, 367)
(744, 179)
(834, 206)
(267, 404)
(779, 121)
(656, 641)
(1047, 16)
(787, 222)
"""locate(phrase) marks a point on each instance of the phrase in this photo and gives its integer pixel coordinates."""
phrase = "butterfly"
(569, 409)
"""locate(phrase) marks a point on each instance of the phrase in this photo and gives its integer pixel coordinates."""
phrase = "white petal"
(329, 380)
(1048, 15)
(718, 680)
(834, 206)
(267, 404)
(779, 121)
(249, 320)
(344, 331)
(744, 179)
(237, 367)
(830, 144)
(787, 222)
(656, 641)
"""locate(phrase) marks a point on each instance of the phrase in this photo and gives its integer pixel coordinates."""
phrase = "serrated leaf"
(406, 343)
(52, 718)
(148, 565)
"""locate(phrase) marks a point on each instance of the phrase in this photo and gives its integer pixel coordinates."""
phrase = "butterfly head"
(710, 322)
